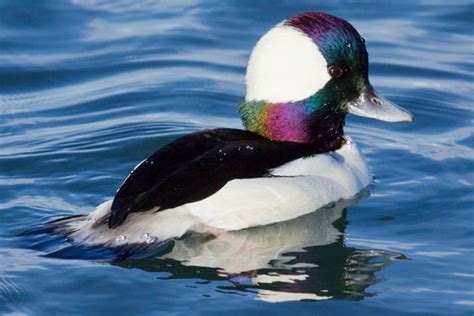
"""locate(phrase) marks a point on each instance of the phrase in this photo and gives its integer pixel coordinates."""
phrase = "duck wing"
(196, 166)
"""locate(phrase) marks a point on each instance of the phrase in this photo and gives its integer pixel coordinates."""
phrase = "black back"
(197, 165)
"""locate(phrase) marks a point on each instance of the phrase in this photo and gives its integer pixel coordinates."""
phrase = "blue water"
(90, 88)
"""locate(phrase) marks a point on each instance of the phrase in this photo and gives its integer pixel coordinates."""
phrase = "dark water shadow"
(302, 259)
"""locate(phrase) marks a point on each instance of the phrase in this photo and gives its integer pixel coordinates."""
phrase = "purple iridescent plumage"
(276, 121)
(334, 37)
(319, 26)
(286, 121)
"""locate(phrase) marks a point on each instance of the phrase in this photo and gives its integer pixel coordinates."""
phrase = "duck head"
(305, 75)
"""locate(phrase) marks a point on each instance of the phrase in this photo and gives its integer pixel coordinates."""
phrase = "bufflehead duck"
(303, 77)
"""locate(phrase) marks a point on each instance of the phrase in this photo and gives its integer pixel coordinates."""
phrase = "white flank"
(300, 187)
(303, 186)
(285, 65)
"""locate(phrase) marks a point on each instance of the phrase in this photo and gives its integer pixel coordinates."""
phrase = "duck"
(292, 158)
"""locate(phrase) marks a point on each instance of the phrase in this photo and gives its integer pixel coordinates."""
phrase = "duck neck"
(310, 121)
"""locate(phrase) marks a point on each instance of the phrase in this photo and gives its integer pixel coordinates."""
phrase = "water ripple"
(90, 87)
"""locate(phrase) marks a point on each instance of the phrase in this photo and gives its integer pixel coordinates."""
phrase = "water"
(89, 88)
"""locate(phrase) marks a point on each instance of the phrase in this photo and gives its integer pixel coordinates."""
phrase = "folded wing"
(196, 166)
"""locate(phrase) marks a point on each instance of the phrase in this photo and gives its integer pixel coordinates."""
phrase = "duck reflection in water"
(301, 259)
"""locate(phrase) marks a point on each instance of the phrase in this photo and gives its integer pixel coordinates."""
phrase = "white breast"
(298, 187)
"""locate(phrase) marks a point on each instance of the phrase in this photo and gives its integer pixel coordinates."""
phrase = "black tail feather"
(54, 227)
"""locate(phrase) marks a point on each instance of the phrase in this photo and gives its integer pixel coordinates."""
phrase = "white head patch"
(285, 65)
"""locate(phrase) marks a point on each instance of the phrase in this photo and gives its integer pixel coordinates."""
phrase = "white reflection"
(252, 249)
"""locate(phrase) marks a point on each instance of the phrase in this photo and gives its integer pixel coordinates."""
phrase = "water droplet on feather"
(148, 238)
(121, 238)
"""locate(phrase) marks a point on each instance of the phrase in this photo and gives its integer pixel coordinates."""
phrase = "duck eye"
(335, 71)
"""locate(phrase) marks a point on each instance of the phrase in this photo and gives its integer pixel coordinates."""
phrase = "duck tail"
(85, 238)
(62, 226)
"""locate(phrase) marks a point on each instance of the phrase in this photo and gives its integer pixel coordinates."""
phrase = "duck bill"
(370, 104)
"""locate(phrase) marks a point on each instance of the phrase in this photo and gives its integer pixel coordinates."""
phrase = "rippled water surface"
(89, 88)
